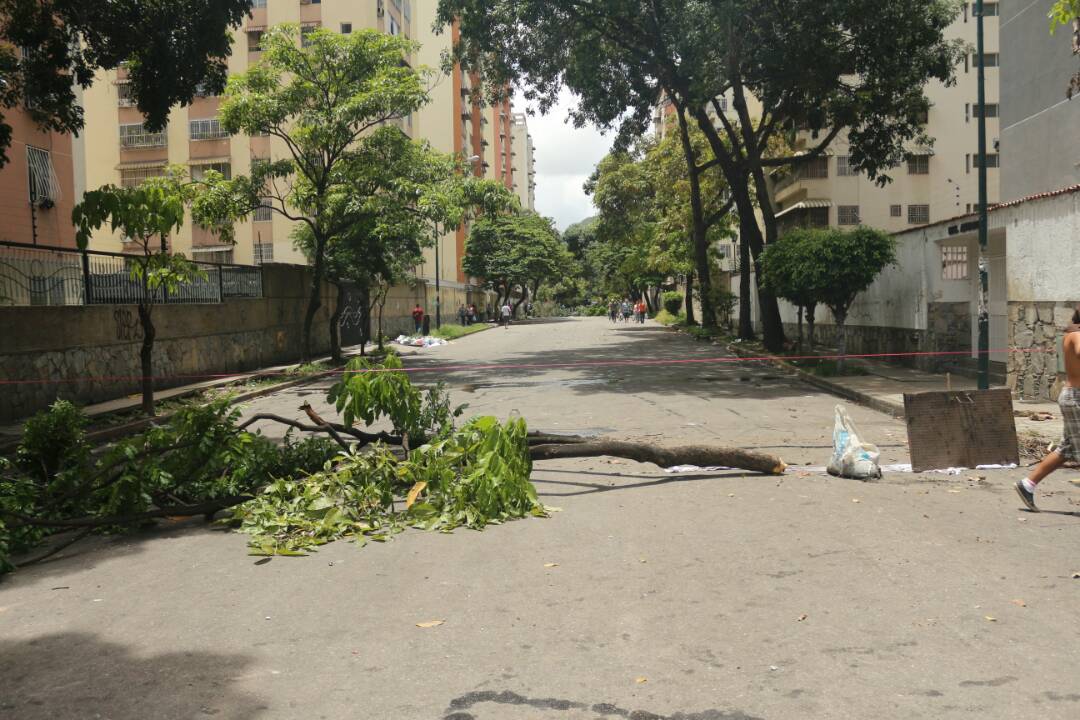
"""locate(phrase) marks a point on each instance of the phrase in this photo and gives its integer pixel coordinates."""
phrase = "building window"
(406, 11)
(126, 98)
(208, 129)
(254, 40)
(198, 172)
(133, 177)
(263, 213)
(815, 169)
(305, 33)
(918, 214)
(847, 215)
(992, 110)
(843, 166)
(41, 178)
(990, 60)
(896, 211)
(990, 9)
(346, 28)
(954, 262)
(395, 29)
(264, 253)
(918, 165)
(136, 136)
(258, 3)
(818, 217)
(221, 257)
(992, 160)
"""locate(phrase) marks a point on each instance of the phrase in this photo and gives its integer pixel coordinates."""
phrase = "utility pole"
(438, 278)
(984, 269)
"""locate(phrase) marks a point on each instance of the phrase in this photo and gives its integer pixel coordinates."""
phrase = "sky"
(564, 159)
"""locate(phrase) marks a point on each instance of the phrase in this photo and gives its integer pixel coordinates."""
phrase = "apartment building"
(121, 152)
(937, 181)
(40, 183)
(521, 153)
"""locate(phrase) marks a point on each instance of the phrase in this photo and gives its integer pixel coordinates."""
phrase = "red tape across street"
(529, 366)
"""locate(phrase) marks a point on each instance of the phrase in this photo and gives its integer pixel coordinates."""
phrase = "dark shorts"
(1069, 402)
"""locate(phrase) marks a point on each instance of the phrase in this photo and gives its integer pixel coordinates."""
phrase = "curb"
(874, 403)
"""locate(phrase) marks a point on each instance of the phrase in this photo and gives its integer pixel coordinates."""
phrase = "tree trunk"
(146, 357)
(365, 317)
(649, 302)
(701, 240)
(746, 299)
(335, 323)
(800, 329)
(810, 309)
(521, 300)
(841, 326)
(689, 300)
(699, 455)
(314, 300)
(656, 298)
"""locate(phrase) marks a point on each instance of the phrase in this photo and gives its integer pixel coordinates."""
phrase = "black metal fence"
(45, 275)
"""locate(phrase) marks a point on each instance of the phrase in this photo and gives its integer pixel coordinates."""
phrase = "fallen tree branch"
(365, 437)
(700, 455)
(539, 438)
(61, 546)
(205, 508)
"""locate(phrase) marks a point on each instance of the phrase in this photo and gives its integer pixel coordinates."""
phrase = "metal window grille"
(305, 32)
(992, 110)
(918, 214)
(815, 169)
(198, 172)
(346, 28)
(918, 165)
(847, 215)
(208, 129)
(993, 160)
(818, 217)
(896, 211)
(125, 96)
(954, 262)
(133, 177)
(263, 213)
(41, 178)
(136, 136)
(989, 60)
(258, 3)
(221, 257)
(990, 9)
(843, 166)
(264, 253)
(254, 40)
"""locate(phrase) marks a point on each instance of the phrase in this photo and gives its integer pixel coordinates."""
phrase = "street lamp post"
(438, 280)
(984, 269)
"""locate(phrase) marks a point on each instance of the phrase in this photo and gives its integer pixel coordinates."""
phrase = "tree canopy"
(509, 251)
(48, 48)
(827, 66)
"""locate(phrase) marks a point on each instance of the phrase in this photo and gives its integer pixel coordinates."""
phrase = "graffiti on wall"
(127, 324)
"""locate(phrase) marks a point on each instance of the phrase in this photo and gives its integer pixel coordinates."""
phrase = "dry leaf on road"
(551, 565)
(991, 618)
(1019, 603)
(802, 617)
(430, 624)
(415, 493)
(641, 680)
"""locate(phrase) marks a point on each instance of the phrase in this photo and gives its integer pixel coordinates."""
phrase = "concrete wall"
(91, 354)
(1039, 127)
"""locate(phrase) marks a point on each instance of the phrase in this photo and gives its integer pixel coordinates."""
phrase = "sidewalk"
(884, 386)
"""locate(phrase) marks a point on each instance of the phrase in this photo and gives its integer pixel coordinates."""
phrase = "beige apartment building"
(524, 174)
(120, 151)
(937, 181)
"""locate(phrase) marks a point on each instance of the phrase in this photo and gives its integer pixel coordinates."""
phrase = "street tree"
(515, 251)
(50, 48)
(146, 215)
(327, 102)
(786, 272)
(580, 235)
(828, 66)
(1067, 13)
(838, 265)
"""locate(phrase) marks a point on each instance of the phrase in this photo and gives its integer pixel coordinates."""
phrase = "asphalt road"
(649, 596)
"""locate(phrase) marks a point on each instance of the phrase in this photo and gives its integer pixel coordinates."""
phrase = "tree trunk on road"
(699, 455)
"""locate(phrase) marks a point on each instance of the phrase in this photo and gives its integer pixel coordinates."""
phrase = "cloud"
(565, 157)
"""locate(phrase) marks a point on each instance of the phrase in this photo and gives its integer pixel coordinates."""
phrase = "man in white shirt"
(505, 313)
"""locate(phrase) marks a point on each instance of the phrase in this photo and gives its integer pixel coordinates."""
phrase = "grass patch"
(665, 318)
(453, 332)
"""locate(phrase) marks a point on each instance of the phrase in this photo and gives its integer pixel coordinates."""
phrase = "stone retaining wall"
(1035, 334)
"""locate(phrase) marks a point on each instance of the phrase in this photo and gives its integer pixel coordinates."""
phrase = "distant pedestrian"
(418, 318)
(463, 317)
(624, 310)
(1069, 402)
(473, 317)
(642, 309)
(505, 312)
(612, 311)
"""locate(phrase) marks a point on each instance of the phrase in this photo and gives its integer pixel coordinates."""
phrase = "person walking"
(624, 310)
(418, 318)
(642, 308)
(1069, 402)
(612, 310)
(505, 312)
(462, 316)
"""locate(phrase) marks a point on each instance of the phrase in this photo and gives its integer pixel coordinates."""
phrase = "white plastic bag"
(852, 458)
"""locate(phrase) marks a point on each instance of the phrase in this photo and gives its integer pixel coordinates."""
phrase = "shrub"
(673, 302)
